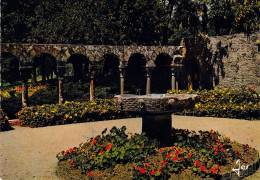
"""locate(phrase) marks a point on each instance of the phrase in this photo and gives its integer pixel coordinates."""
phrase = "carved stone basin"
(156, 110)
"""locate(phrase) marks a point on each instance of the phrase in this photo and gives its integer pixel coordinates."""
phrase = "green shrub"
(203, 155)
(106, 151)
(4, 124)
(70, 112)
(241, 104)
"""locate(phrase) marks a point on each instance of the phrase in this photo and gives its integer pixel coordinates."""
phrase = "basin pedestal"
(156, 110)
(157, 126)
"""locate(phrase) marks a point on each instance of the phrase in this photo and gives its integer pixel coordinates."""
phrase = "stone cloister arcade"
(162, 60)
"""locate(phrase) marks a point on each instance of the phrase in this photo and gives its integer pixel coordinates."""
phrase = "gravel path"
(30, 153)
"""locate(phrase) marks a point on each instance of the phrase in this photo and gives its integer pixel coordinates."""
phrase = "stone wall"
(241, 64)
(231, 61)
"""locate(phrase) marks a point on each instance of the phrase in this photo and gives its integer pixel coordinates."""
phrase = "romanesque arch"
(10, 67)
(43, 64)
(80, 64)
(135, 73)
(161, 76)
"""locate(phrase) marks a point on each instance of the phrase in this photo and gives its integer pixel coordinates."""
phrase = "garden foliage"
(203, 154)
(4, 124)
(106, 151)
(70, 112)
(241, 104)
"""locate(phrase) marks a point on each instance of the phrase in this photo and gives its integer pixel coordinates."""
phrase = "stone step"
(15, 122)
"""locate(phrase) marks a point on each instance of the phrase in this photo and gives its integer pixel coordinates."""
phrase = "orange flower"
(236, 152)
(108, 146)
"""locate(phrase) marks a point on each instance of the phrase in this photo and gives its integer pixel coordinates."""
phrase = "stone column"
(149, 70)
(25, 93)
(122, 69)
(60, 91)
(173, 77)
(92, 70)
(61, 70)
(25, 72)
(176, 71)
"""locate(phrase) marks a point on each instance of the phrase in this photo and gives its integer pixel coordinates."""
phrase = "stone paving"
(30, 153)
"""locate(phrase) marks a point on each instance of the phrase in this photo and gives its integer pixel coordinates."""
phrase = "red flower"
(202, 168)
(167, 156)
(72, 163)
(215, 153)
(152, 173)
(89, 173)
(174, 158)
(162, 166)
(164, 162)
(19, 89)
(206, 172)
(223, 150)
(218, 166)
(220, 144)
(215, 148)
(160, 170)
(108, 146)
(181, 159)
(217, 139)
(236, 152)
(177, 152)
(137, 168)
(211, 135)
(142, 170)
(189, 155)
(101, 151)
(197, 162)
(161, 150)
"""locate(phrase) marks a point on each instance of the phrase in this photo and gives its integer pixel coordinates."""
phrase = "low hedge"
(70, 112)
(240, 104)
(4, 124)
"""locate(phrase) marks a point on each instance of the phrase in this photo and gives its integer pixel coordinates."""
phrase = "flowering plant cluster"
(4, 124)
(106, 151)
(224, 103)
(11, 92)
(204, 154)
(69, 112)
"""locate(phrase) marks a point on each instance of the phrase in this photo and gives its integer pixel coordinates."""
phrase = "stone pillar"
(158, 126)
(25, 72)
(60, 91)
(25, 93)
(176, 67)
(61, 70)
(122, 69)
(149, 70)
(92, 70)
(173, 78)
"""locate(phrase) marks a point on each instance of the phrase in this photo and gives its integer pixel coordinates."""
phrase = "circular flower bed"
(114, 155)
